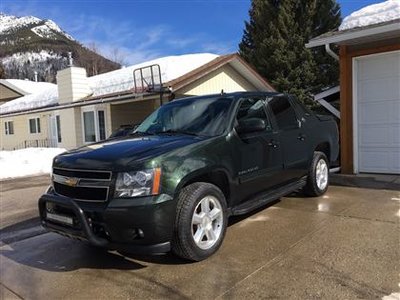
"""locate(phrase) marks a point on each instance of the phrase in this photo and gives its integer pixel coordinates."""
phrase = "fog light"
(50, 207)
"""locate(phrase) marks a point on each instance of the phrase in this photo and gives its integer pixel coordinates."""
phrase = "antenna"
(70, 59)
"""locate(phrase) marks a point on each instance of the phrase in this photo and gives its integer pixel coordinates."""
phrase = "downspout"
(336, 57)
(330, 52)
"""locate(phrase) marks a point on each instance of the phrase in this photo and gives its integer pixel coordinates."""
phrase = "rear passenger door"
(293, 136)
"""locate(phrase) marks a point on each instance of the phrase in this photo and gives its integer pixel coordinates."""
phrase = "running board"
(267, 197)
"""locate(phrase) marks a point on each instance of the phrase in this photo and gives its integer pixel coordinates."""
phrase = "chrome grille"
(82, 185)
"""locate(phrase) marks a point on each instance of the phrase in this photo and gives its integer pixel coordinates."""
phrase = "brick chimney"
(72, 84)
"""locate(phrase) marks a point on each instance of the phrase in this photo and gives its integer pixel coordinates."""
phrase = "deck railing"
(40, 143)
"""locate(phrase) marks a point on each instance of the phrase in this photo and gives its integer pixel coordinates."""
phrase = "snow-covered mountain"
(42, 28)
(29, 44)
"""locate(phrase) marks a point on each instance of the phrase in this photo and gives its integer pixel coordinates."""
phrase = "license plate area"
(59, 219)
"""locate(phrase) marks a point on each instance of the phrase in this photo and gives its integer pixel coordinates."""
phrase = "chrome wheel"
(207, 222)
(321, 174)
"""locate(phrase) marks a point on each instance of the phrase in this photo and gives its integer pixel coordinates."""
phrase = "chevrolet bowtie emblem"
(71, 181)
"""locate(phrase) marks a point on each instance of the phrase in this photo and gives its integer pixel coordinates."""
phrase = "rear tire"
(200, 223)
(318, 176)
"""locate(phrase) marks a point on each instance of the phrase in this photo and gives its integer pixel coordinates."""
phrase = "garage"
(376, 107)
(369, 60)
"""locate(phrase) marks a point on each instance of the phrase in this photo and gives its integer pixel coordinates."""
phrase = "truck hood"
(121, 154)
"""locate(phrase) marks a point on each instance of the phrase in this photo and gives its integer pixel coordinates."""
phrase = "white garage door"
(377, 144)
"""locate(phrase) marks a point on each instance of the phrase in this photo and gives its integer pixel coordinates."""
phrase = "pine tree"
(274, 38)
(2, 71)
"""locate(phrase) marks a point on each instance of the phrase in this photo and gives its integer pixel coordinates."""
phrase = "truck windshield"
(201, 116)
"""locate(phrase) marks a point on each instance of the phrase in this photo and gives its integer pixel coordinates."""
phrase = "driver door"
(257, 154)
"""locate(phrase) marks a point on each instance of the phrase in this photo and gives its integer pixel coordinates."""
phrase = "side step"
(267, 197)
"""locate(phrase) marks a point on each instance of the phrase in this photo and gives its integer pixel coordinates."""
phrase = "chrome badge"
(70, 181)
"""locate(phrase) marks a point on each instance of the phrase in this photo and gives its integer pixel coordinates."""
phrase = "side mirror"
(251, 125)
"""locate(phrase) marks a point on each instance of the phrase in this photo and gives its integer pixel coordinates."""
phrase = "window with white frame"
(94, 125)
(58, 125)
(34, 125)
(9, 127)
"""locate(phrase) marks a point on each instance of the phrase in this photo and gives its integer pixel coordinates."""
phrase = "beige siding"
(72, 84)
(70, 127)
(131, 113)
(21, 131)
(225, 78)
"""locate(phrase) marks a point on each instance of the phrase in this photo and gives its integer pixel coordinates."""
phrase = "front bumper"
(142, 225)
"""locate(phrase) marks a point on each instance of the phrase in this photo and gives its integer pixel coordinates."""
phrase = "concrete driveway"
(343, 245)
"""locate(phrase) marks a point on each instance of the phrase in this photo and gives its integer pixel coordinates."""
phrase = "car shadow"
(59, 254)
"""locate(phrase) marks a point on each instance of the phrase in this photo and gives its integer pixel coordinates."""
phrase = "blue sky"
(143, 30)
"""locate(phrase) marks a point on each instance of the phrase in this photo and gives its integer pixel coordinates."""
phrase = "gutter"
(390, 30)
(125, 98)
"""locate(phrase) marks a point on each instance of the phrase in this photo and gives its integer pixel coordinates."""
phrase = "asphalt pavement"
(344, 245)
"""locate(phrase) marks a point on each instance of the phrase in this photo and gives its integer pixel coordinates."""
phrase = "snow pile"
(10, 23)
(46, 97)
(392, 296)
(372, 14)
(27, 162)
(29, 87)
(172, 67)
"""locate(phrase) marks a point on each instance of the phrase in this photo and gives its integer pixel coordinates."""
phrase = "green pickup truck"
(173, 182)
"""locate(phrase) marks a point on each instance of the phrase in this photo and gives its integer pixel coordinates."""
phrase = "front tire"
(318, 176)
(201, 221)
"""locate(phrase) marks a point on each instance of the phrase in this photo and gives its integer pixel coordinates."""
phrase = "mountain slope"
(29, 44)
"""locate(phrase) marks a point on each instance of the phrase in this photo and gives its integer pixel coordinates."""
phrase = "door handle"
(301, 137)
(273, 144)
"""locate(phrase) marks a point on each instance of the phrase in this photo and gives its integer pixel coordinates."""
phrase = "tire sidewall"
(317, 157)
(185, 226)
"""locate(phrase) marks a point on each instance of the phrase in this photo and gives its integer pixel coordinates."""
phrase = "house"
(369, 56)
(81, 109)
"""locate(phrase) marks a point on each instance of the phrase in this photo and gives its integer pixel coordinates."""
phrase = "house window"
(58, 125)
(9, 127)
(34, 125)
(94, 127)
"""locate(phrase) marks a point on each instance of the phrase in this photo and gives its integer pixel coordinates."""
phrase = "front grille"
(83, 185)
(101, 175)
(81, 193)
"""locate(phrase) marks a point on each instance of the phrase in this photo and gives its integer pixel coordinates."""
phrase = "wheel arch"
(218, 177)
(325, 148)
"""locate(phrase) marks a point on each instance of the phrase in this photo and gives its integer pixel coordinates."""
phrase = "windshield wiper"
(141, 133)
(172, 131)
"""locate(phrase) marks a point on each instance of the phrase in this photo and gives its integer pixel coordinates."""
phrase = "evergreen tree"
(2, 72)
(274, 38)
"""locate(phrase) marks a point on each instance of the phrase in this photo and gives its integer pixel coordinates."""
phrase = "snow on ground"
(27, 162)
(372, 14)
(393, 296)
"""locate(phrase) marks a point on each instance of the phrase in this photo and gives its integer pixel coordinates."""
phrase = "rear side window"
(284, 113)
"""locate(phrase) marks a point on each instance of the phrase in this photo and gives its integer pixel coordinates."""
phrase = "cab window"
(284, 113)
(252, 108)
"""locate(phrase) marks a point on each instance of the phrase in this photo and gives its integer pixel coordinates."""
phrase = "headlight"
(138, 183)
